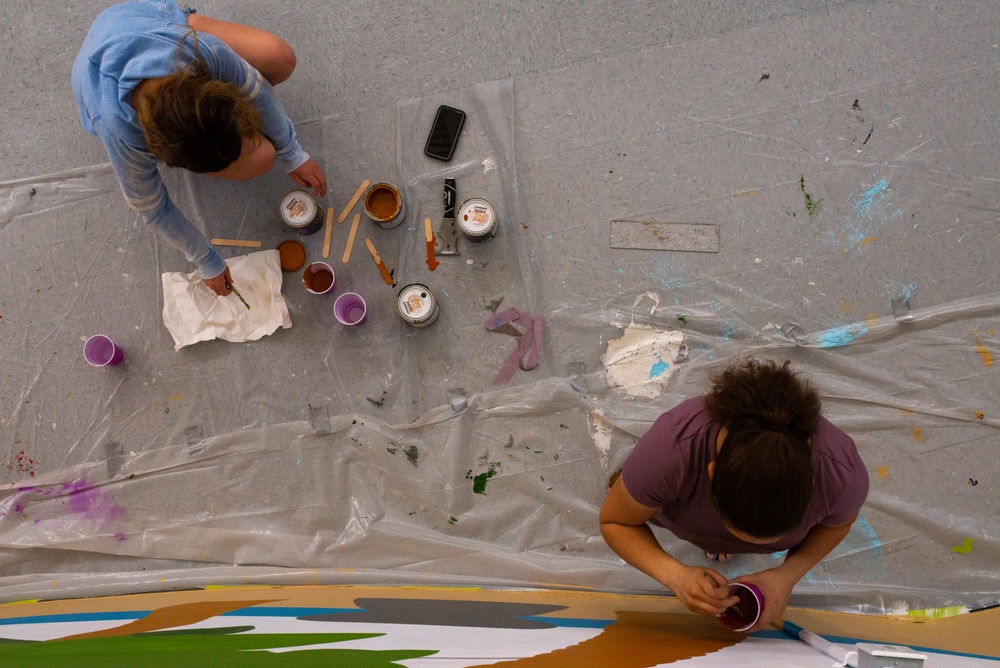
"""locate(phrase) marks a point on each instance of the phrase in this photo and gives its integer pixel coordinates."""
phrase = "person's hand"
(776, 587)
(222, 284)
(702, 590)
(310, 175)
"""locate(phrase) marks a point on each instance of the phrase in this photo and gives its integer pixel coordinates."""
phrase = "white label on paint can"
(298, 209)
(416, 304)
(477, 217)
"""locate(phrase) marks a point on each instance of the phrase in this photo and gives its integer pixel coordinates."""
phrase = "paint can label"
(477, 219)
(417, 305)
(301, 212)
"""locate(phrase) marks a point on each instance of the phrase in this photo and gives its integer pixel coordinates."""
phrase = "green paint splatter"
(563, 426)
(479, 481)
(452, 519)
(682, 318)
(964, 548)
(812, 205)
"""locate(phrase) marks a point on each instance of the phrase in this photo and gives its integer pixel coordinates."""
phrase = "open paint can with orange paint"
(477, 219)
(291, 254)
(301, 212)
(384, 205)
(743, 615)
(417, 305)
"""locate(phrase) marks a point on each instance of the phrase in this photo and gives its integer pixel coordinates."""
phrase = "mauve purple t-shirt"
(669, 469)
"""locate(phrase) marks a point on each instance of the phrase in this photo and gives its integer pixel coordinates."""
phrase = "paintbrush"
(237, 293)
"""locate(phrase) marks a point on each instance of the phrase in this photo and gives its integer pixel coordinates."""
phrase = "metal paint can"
(477, 219)
(301, 212)
(417, 305)
(384, 205)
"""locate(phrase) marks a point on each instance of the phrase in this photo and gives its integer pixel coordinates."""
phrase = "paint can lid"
(476, 216)
(292, 255)
(298, 208)
(415, 302)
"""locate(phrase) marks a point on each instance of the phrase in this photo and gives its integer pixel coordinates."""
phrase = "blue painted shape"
(658, 369)
(841, 336)
(130, 615)
(571, 622)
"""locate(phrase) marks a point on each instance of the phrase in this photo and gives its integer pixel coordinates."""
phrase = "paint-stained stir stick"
(432, 263)
(386, 276)
(350, 237)
(241, 243)
(354, 200)
(329, 231)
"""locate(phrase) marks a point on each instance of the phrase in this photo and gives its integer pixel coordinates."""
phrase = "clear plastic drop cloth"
(385, 453)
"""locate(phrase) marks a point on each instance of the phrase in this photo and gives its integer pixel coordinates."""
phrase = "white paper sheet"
(193, 313)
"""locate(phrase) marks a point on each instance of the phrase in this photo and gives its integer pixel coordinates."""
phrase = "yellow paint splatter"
(871, 319)
(984, 353)
(867, 241)
(916, 434)
(980, 415)
(882, 471)
(745, 193)
(964, 548)
(844, 307)
(176, 397)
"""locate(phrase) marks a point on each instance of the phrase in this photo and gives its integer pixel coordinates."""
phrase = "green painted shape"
(479, 482)
(164, 650)
(812, 205)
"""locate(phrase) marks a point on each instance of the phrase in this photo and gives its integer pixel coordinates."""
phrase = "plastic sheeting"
(328, 454)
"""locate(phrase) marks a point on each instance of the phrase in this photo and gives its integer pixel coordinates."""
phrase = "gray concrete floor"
(284, 459)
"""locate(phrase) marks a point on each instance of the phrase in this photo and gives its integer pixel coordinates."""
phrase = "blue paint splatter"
(870, 209)
(658, 369)
(865, 200)
(445, 293)
(841, 336)
(620, 270)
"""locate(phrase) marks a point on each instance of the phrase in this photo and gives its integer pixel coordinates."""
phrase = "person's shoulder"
(835, 446)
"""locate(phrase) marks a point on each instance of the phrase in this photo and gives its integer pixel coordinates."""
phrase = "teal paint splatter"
(841, 336)
(812, 205)
(658, 369)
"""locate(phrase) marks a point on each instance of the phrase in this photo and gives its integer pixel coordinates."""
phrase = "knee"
(282, 61)
(262, 158)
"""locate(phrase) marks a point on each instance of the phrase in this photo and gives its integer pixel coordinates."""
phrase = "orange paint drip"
(867, 241)
(980, 415)
(916, 435)
(984, 352)
(432, 262)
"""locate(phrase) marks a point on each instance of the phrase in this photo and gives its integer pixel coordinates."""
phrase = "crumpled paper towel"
(194, 313)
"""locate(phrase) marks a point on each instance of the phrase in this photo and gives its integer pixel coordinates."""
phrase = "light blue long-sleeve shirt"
(147, 39)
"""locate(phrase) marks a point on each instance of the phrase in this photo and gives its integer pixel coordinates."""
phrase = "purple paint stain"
(92, 503)
(18, 508)
(120, 536)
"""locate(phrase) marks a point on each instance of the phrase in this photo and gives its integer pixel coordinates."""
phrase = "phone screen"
(444, 133)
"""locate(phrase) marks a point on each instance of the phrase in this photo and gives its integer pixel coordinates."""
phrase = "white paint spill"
(602, 431)
(653, 296)
(642, 360)
(489, 164)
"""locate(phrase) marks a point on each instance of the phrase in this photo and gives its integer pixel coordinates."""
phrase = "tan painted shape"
(171, 617)
(639, 640)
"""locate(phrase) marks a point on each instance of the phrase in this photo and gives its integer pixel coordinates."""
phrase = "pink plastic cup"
(350, 308)
(99, 350)
(743, 615)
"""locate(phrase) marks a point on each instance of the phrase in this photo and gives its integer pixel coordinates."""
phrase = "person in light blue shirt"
(159, 83)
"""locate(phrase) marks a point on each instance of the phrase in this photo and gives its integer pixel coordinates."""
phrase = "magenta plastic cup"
(99, 350)
(743, 615)
(350, 308)
(318, 278)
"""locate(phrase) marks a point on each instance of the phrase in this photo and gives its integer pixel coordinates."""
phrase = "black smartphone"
(443, 138)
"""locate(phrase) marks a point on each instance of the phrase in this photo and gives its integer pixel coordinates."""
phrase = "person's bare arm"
(776, 584)
(623, 525)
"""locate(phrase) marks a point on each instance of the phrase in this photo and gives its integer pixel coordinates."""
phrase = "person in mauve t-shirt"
(752, 467)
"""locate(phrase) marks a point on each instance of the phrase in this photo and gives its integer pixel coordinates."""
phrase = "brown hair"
(193, 121)
(763, 475)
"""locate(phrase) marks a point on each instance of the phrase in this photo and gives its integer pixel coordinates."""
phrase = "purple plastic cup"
(350, 308)
(743, 615)
(99, 350)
